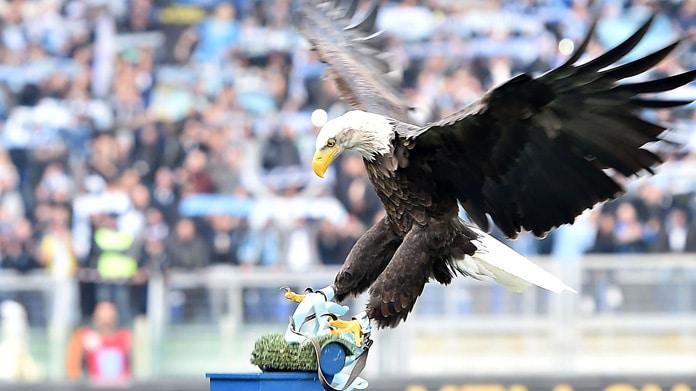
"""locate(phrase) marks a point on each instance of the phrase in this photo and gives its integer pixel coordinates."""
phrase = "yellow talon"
(297, 298)
(347, 326)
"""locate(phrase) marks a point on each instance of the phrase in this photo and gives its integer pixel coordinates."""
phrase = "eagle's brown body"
(423, 225)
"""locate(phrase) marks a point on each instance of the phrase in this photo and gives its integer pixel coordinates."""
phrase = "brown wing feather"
(348, 49)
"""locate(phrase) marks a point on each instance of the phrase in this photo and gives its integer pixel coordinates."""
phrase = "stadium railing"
(632, 314)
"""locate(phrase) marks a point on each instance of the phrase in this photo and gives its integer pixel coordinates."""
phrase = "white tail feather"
(495, 260)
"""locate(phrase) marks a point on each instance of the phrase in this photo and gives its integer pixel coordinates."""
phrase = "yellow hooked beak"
(323, 158)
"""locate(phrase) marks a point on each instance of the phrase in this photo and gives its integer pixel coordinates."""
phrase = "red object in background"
(106, 356)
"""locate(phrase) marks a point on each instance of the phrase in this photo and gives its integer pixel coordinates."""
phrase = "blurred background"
(156, 191)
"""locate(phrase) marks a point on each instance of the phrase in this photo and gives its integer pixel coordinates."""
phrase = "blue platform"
(266, 381)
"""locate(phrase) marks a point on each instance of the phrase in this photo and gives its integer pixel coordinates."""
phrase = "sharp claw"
(292, 296)
(347, 326)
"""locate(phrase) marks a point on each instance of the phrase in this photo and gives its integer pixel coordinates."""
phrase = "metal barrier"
(632, 314)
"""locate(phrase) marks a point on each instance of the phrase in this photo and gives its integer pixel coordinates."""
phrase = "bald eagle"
(531, 154)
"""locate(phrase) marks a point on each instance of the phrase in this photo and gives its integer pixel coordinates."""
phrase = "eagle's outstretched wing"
(531, 152)
(352, 49)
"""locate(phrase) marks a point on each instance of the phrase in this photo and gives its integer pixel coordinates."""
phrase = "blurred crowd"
(138, 136)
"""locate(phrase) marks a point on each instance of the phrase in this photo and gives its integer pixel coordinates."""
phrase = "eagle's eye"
(331, 142)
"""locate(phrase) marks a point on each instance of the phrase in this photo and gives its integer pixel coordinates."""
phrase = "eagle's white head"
(368, 134)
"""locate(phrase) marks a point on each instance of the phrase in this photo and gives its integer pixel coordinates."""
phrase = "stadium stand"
(143, 137)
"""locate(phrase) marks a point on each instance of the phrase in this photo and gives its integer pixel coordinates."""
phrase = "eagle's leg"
(424, 253)
(366, 260)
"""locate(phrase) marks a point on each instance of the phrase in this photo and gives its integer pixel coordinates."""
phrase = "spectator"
(186, 249)
(334, 243)
(100, 352)
(332, 246)
(165, 194)
(195, 175)
(147, 153)
(11, 203)
(216, 35)
(56, 251)
(628, 230)
(677, 236)
(115, 257)
(19, 125)
(104, 160)
(55, 185)
(605, 242)
(16, 248)
(225, 171)
(153, 259)
(280, 150)
(156, 228)
(226, 237)
(651, 202)
(133, 221)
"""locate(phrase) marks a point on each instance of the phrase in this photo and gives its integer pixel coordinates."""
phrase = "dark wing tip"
(641, 65)
(659, 85)
(660, 103)
(619, 51)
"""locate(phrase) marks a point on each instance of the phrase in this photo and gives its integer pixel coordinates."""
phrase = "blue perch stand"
(266, 381)
(332, 359)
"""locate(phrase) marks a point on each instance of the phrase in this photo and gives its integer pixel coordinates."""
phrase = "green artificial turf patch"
(273, 353)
